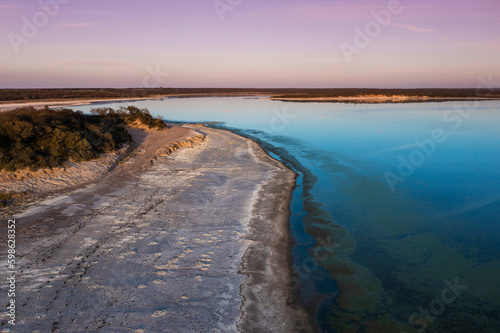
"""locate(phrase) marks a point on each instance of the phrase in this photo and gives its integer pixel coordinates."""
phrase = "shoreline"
(8, 105)
(51, 103)
(297, 318)
(265, 188)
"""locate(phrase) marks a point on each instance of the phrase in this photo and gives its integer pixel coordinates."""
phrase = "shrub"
(46, 138)
(133, 114)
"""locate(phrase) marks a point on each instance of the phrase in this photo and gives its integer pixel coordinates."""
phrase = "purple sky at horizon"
(257, 43)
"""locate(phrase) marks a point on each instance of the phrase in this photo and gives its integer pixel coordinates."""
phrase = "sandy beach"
(189, 240)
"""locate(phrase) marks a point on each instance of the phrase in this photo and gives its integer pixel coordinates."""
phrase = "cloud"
(74, 24)
(95, 12)
(81, 62)
(312, 12)
(411, 28)
(490, 45)
(332, 58)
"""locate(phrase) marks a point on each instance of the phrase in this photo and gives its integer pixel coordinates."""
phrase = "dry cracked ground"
(158, 247)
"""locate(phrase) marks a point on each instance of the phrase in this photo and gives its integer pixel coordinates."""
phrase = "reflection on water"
(396, 227)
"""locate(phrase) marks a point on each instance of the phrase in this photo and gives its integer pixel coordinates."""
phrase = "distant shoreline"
(58, 103)
(6, 106)
(14, 98)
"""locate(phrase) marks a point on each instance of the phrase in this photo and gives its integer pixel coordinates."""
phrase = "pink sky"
(254, 43)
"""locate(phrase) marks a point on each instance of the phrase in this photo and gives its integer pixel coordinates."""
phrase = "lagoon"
(395, 230)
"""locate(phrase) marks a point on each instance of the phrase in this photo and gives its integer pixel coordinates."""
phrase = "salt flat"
(196, 241)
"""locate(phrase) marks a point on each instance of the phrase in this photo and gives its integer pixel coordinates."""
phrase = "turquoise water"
(396, 212)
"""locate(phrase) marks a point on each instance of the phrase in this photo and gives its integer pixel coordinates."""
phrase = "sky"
(248, 43)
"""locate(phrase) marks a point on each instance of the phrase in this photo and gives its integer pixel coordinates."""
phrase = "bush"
(134, 114)
(46, 138)
(131, 115)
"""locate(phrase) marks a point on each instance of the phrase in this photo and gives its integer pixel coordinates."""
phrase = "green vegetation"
(131, 115)
(46, 138)
(62, 94)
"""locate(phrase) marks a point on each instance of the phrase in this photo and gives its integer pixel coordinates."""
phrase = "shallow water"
(396, 214)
